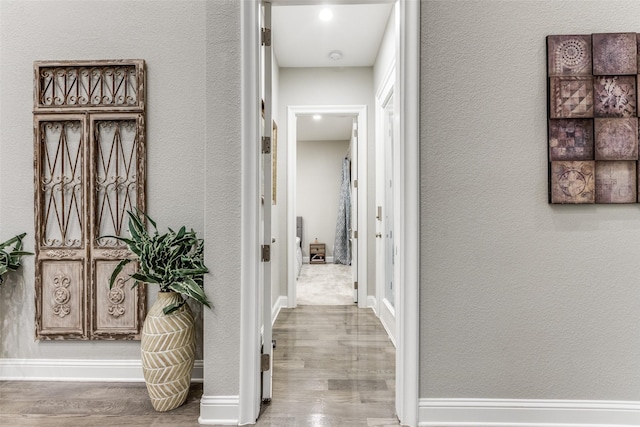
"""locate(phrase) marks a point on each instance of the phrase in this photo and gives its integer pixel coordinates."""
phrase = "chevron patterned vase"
(168, 352)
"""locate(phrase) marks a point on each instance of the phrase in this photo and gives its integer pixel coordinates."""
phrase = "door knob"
(379, 235)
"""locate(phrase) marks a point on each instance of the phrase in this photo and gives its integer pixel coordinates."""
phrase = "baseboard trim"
(527, 413)
(80, 370)
(281, 302)
(388, 319)
(372, 304)
(219, 410)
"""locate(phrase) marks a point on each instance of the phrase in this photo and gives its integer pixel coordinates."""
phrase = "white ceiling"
(301, 39)
(328, 128)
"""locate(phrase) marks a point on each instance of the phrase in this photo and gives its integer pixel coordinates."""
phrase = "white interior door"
(354, 210)
(266, 189)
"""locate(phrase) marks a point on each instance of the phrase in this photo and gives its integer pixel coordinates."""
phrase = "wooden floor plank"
(333, 366)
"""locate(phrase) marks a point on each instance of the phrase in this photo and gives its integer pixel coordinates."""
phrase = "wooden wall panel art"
(616, 139)
(614, 96)
(573, 182)
(89, 149)
(616, 182)
(593, 140)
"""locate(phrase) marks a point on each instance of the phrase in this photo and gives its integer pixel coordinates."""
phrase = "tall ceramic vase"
(168, 352)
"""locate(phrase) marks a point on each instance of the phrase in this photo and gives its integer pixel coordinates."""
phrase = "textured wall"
(48, 30)
(519, 299)
(223, 175)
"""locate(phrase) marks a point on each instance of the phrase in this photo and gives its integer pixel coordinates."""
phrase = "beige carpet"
(324, 284)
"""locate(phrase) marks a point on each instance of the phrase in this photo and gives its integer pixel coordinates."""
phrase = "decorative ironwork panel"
(61, 304)
(90, 85)
(61, 183)
(117, 152)
(89, 171)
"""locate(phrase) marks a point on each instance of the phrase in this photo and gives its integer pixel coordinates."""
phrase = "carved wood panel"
(116, 313)
(62, 298)
(89, 133)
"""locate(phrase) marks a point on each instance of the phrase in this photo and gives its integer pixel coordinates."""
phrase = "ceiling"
(327, 128)
(301, 39)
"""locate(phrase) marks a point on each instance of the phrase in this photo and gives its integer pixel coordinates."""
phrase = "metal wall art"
(89, 138)
(593, 135)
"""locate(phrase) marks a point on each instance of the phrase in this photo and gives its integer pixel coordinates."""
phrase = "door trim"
(384, 311)
(250, 304)
(361, 112)
(408, 303)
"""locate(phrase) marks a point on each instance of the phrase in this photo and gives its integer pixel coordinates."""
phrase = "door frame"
(387, 88)
(360, 111)
(408, 304)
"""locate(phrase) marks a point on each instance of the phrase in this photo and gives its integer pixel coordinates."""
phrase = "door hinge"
(266, 253)
(265, 362)
(266, 145)
(355, 285)
(265, 38)
(355, 133)
(355, 183)
(355, 234)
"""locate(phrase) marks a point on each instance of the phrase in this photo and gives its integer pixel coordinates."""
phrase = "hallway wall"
(519, 299)
(175, 133)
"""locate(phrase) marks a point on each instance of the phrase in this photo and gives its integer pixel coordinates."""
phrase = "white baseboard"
(282, 301)
(527, 413)
(388, 319)
(372, 303)
(79, 370)
(219, 410)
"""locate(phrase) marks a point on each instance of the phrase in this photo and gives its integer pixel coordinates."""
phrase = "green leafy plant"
(173, 260)
(10, 253)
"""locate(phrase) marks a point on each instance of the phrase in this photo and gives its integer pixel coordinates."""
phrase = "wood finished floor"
(333, 366)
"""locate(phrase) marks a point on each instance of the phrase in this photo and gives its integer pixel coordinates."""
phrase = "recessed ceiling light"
(317, 117)
(336, 55)
(326, 14)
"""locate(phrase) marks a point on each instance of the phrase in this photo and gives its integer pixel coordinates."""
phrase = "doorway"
(326, 147)
(407, 191)
(358, 263)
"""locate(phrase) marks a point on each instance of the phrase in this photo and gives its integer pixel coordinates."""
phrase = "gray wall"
(319, 178)
(519, 298)
(61, 30)
(222, 200)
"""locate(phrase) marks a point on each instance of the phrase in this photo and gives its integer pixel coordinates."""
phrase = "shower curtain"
(341, 249)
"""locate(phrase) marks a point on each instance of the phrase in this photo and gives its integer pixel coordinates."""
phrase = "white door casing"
(292, 112)
(353, 242)
(266, 143)
(386, 164)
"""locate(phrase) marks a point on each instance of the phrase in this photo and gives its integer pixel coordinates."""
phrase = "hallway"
(334, 366)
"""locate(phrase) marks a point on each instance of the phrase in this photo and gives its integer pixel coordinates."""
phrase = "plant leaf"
(117, 270)
(191, 289)
(173, 307)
